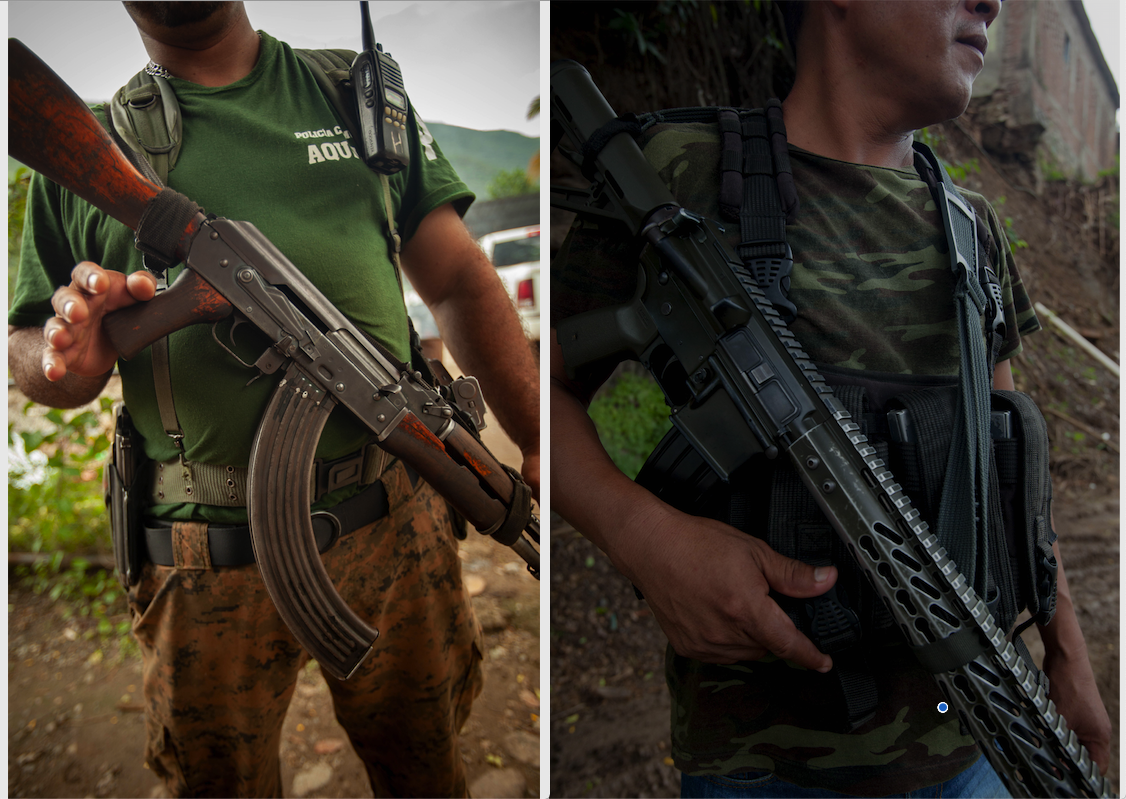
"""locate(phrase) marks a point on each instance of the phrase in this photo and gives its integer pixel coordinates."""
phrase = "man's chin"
(174, 15)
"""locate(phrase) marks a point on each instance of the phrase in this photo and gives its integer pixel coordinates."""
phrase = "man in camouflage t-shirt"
(873, 288)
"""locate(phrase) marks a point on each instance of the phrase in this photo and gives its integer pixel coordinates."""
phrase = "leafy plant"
(511, 183)
(56, 506)
(631, 27)
(1051, 171)
(958, 172)
(89, 593)
(55, 498)
(1112, 172)
(1015, 241)
(631, 419)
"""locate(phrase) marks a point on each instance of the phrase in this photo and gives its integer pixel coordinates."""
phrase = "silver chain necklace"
(156, 70)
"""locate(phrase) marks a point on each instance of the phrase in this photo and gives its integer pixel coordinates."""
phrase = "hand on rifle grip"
(190, 300)
(708, 585)
(75, 340)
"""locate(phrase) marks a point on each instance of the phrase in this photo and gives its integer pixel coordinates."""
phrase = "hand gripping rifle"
(318, 357)
(742, 385)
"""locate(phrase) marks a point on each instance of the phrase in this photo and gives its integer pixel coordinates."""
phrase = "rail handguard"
(318, 358)
(740, 384)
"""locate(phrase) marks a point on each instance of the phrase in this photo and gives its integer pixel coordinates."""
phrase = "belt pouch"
(1021, 569)
(1026, 493)
(124, 496)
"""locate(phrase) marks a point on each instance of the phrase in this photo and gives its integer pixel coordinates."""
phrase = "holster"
(125, 497)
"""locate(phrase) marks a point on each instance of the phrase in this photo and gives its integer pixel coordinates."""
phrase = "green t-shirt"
(873, 287)
(271, 150)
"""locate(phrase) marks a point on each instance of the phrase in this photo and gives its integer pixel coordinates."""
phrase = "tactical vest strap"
(757, 189)
(162, 376)
(964, 504)
(146, 116)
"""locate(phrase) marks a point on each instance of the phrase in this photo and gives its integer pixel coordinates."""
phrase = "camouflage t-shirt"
(873, 288)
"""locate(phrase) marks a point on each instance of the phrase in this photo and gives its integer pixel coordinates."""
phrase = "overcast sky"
(1106, 22)
(472, 64)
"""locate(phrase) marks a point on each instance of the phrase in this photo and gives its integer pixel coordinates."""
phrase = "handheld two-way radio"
(381, 104)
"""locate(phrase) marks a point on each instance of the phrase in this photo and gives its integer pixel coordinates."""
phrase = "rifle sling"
(956, 650)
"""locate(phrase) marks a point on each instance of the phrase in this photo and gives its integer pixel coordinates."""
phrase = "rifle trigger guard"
(215, 335)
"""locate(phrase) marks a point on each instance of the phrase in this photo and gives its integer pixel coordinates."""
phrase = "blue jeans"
(979, 781)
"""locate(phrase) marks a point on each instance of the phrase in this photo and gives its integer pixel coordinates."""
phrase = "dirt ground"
(76, 723)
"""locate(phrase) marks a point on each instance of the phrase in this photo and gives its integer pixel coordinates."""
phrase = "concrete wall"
(1050, 86)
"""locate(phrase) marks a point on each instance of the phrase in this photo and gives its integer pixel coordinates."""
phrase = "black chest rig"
(973, 461)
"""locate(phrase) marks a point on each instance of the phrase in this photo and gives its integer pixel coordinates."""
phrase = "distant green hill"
(478, 155)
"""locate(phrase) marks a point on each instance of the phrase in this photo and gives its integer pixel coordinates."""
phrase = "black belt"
(231, 546)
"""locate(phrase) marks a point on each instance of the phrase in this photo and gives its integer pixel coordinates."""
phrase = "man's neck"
(220, 60)
(824, 117)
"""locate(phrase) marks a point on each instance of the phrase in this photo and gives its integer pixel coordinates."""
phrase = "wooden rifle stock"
(52, 131)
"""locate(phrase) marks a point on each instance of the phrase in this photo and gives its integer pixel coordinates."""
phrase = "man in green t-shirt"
(751, 712)
(261, 142)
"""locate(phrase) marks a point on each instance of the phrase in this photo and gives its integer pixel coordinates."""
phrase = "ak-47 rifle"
(739, 384)
(319, 359)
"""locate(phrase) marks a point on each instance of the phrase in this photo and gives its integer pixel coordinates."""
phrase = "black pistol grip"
(281, 528)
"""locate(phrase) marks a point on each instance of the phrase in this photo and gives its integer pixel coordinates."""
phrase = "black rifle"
(739, 384)
(321, 357)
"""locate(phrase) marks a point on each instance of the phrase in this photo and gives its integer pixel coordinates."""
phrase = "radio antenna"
(365, 25)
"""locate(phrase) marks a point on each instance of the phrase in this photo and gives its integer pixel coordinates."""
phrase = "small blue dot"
(943, 707)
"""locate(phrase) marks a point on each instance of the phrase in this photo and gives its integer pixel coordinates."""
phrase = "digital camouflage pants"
(220, 666)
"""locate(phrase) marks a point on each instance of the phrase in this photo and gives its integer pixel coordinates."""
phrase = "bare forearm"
(587, 488)
(484, 335)
(1063, 637)
(1074, 687)
(26, 348)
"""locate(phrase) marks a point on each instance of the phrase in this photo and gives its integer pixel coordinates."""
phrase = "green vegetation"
(54, 488)
(631, 419)
(479, 156)
(1051, 171)
(511, 183)
(629, 25)
(56, 507)
(1015, 241)
(957, 172)
(1112, 172)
